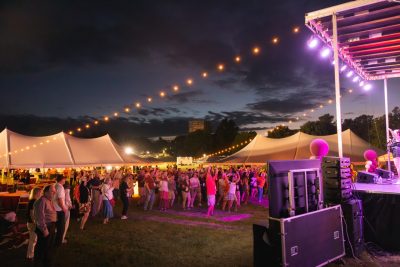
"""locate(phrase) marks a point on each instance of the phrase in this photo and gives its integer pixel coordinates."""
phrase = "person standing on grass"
(108, 197)
(171, 190)
(68, 203)
(84, 201)
(236, 180)
(94, 185)
(164, 192)
(150, 191)
(245, 187)
(45, 217)
(211, 190)
(221, 186)
(142, 192)
(185, 187)
(125, 194)
(194, 188)
(61, 208)
(260, 186)
(35, 194)
(230, 195)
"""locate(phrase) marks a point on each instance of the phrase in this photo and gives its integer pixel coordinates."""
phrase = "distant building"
(195, 125)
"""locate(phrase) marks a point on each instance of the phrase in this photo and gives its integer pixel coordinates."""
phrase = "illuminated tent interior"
(60, 150)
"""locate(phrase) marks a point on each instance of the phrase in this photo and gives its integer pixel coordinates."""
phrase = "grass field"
(172, 238)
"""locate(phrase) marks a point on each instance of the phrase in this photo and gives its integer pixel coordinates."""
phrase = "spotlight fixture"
(325, 52)
(313, 42)
(349, 74)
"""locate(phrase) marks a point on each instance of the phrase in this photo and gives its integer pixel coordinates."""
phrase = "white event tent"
(262, 149)
(59, 151)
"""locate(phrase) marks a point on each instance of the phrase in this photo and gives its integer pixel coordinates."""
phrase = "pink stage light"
(355, 79)
(343, 68)
(367, 87)
(349, 74)
(361, 84)
(313, 42)
(325, 52)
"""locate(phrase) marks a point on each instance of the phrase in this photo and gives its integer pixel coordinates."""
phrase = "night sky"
(91, 58)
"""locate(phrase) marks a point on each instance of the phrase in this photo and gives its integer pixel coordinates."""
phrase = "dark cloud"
(243, 118)
(157, 111)
(184, 97)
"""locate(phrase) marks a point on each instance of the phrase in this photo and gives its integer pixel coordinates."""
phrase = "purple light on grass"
(361, 84)
(343, 68)
(355, 79)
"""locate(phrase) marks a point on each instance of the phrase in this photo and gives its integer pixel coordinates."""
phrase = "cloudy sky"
(92, 58)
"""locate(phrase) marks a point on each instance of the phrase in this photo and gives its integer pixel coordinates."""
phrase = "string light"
(96, 122)
(87, 126)
(256, 50)
(175, 88)
(137, 105)
(79, 129)
(71, 132)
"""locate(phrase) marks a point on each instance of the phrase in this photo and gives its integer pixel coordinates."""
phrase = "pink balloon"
(319, 148)
(370, 155)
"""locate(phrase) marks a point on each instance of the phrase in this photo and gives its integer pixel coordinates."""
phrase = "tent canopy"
(60, 150)
(262, 149)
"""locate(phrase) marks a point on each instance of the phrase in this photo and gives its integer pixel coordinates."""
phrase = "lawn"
(172, 238)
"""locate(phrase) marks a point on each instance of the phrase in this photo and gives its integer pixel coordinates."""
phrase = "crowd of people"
(49, 209)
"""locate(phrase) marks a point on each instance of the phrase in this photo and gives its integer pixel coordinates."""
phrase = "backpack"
(77, 196)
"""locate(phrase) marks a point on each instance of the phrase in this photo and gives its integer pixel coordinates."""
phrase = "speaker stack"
(337, 188)
(336, 180)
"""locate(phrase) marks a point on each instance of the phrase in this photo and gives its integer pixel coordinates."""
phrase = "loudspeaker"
(385, 174)
(354, 228)
(367, 177)
(287, 243)
(335, 162)
(337, 179)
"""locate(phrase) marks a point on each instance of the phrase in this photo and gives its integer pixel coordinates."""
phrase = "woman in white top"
(107, 191)
(163, 187)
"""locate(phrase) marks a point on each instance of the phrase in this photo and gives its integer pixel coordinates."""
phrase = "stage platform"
(377, 188)
(381, 208)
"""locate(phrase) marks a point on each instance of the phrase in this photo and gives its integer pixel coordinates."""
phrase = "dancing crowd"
(49, 209)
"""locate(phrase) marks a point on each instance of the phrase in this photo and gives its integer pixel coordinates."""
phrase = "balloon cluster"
(371, 163)
(319, 148)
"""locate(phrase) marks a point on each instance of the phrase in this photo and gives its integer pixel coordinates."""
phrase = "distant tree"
(225, 134)
(323, 126)
(281, 131)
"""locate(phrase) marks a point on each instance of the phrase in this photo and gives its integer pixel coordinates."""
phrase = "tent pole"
(387, 120)
(337, 86)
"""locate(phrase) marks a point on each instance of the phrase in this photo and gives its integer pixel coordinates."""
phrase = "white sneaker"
(124, 217)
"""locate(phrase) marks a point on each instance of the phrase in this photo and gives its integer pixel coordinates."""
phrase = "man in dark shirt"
(94, 185)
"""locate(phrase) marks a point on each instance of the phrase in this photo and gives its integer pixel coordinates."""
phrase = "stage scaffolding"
(365, 36)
